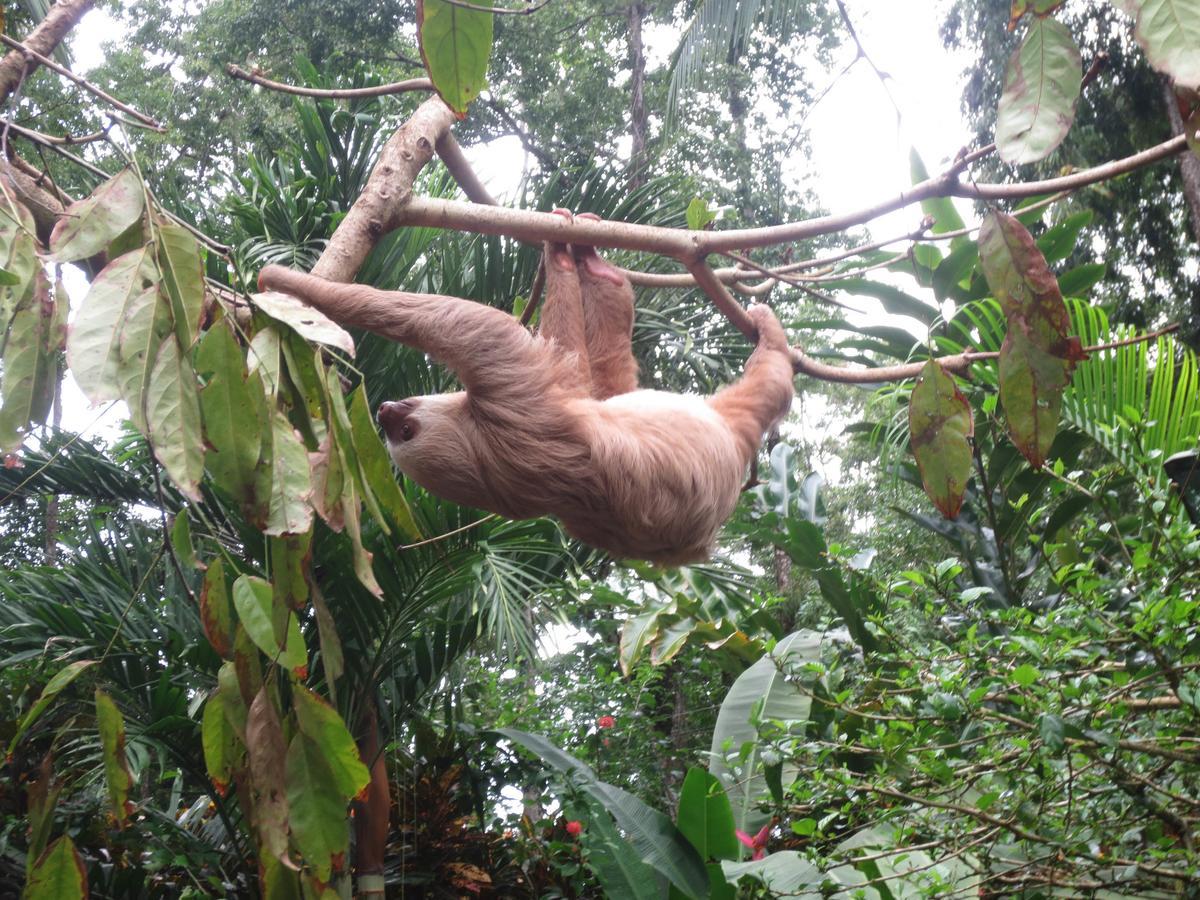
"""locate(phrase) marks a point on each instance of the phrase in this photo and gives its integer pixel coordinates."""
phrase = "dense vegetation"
(200, 675)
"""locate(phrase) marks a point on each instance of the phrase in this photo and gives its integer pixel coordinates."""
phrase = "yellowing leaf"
(116, 766)
(183, 278)
(216, 610)
(321, 723)
(311, 324)
(291, 482)
(59, 874)
(455, 45)
(1041, 89)
(317, 810)
(88, 226)
(1169, 33)
(268, 787)
(941, 427)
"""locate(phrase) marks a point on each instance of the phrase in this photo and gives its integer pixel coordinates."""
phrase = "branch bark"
(61, 18)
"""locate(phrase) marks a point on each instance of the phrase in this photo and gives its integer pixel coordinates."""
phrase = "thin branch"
(112, 101)
(722, 299)
(775, 275)
(451, 154)
(66, 140)
(531, 7)
(379, 90)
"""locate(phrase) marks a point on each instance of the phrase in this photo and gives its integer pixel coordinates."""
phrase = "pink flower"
(606, 722)
(758, 843)
(574, 828)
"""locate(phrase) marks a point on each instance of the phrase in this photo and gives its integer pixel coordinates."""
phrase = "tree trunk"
(372, 814)
(1189, 163)
(637, 96)
(52, 513)
(60, 19)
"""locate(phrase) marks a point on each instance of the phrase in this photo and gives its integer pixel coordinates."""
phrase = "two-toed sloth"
(554, 424)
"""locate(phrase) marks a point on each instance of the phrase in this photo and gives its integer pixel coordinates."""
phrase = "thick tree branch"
(451, 154)
(60, 19)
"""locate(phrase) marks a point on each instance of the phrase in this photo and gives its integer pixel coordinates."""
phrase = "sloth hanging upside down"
(554, 424)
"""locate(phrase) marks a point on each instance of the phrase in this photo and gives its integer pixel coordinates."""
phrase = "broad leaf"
(322, 724)
(219, 740)
(94, 340)
(1038, 356)
(53, 688)
(59, 874)
(1169, 32)
(116, 766)
(30, 363)
(705, 816)
(762, 692)
(311, 324)
(216, 610)
(1041, 89)
(656, 839)
(147, 323)
(317, 809)
(455, 46)
(941, 427)
(376, 467)
(173, 418)
(291, 481)
(183, 278)
(88, 226)
(275, 631)
(268, 767)
(786, 873)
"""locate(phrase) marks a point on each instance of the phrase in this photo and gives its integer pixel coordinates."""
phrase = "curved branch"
(379, 90)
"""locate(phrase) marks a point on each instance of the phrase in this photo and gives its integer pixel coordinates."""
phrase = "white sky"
(859, 149)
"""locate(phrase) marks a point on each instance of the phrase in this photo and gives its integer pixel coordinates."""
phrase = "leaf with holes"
(311, 324)
(88, 226)
(941, 427)
(455, 46)
(1041, 88)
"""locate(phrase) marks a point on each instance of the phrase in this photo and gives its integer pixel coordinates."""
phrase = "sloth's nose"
(393, 416)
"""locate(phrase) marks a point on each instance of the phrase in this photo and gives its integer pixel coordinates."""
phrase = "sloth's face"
(430, 439)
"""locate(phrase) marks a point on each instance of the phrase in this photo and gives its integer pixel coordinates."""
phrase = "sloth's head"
(432, 440)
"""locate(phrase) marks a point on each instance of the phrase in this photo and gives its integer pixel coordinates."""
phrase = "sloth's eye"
(406, 432)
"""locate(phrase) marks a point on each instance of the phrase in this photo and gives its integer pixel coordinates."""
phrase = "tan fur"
(554, 425)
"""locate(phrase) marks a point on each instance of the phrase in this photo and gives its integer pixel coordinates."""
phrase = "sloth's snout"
(395, 417)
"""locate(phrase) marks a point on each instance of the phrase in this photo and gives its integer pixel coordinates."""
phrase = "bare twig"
(531, 6)
(379, 90)
(112, 101)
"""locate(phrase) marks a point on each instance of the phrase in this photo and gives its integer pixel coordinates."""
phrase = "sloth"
(554, 423)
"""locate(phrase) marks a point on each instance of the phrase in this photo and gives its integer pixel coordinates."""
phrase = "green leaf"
(614, 861)
(1053, 732)
(146, 324)
(219, 740)
(635, 634)
(652, 834)
(1078, 281)
(30, 365)
(455, 46)
(116, 766)
(941, 209)
(289, 561)
(173, 418)
(216, 610)
(53, 688)
(59, 874)
(1037, 357)
(181, 541)
(762, 691)
(1041, 89)
(376, 466)
(88, 226)
(18, 254)
(699, 216)
(183, 278)
(1169, 33)
(952, 277)
(941, 428)
(231, 410)
(785, 873)
(1059, 241)
(264, 623)
(291, 481)
(894, 300)
(322, 724)
(705, 817)
(317, 810)
(1026, 675)
(9, 279)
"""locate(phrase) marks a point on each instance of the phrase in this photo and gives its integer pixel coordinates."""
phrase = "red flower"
(574, 828)
(606, 722)
(758, 843)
